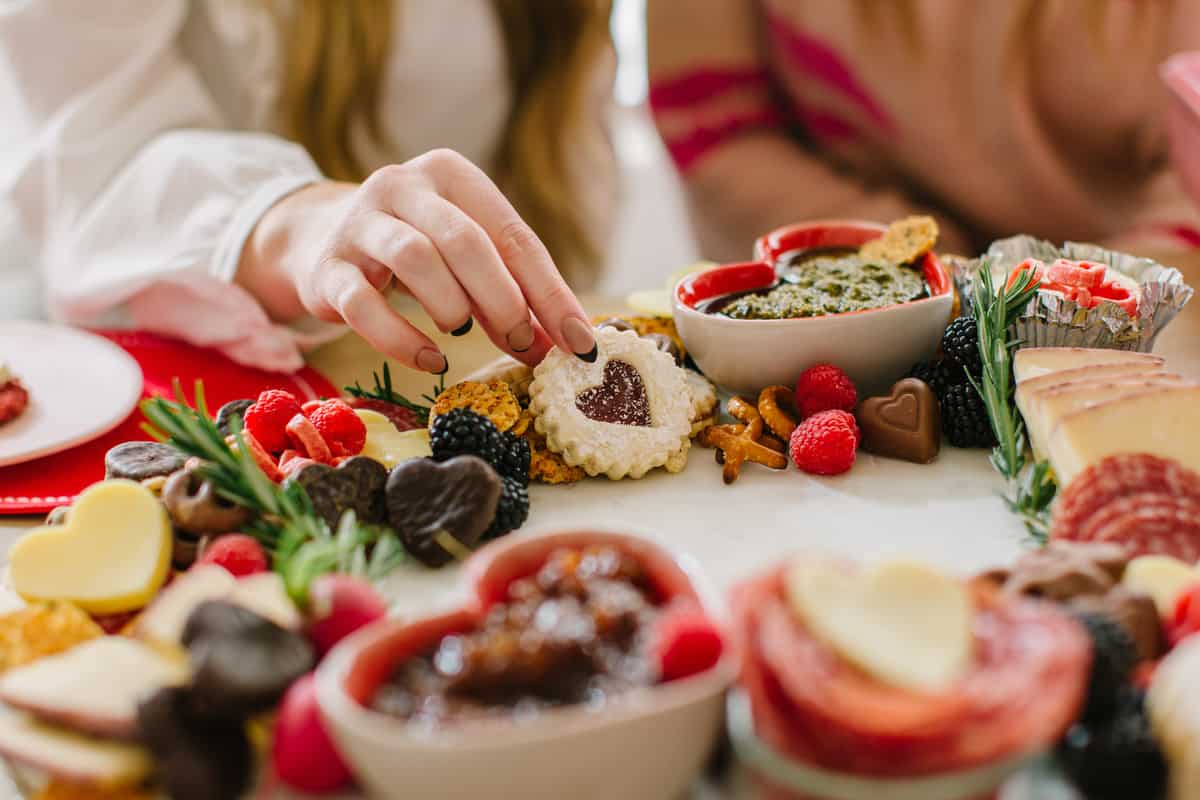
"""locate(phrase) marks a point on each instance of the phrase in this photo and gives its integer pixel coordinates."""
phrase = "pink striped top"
(1003, 116)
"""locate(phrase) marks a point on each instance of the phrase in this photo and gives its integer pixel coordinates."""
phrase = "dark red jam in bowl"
(575, 632)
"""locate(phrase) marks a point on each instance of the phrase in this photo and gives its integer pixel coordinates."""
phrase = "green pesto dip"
(829, 284)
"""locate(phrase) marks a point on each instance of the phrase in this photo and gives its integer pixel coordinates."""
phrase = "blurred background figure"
(183, 166)
(997, 116)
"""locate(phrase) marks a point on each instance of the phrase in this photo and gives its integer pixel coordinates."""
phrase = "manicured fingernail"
(431, 360)
(520, 338)
(580, 337)
(590, 355)
(464, 329)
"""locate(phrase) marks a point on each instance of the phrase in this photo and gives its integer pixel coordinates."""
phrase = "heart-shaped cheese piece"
(1162, 578)
(389, 446)
(110, 556)
(905, 624)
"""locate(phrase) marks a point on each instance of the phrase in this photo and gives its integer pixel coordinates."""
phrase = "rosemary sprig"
(301, 544)
(382, 390)
(995, 312)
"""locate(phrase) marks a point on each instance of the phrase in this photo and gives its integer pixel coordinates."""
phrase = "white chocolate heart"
(1162, 578)
(905, 624)
(110, 556)
(389, 446)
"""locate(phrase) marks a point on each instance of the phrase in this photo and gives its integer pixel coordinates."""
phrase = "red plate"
(35, 487)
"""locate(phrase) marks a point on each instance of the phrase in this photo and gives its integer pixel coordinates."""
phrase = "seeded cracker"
(494, 400)
(40, 630)
(903, 242)
(546, 466)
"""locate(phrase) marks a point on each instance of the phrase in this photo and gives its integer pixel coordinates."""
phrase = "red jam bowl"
(875, 346)
(646, 743)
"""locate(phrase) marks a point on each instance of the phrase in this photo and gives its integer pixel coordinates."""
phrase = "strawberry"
(822, 388)
(302, 752)
(338, 605)
(238, 553)
(340, 427)
(267, 419)
(685, 642)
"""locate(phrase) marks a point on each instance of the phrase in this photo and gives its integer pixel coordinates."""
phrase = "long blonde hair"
(336, 54)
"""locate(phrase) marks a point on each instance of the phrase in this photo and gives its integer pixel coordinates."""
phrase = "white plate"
(80, 386)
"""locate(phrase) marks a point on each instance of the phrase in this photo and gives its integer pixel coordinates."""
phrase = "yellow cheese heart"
(1162, 578)
(389, 446)
(110, 556)
(905, 624)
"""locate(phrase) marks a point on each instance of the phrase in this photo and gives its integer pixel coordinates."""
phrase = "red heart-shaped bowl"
(646, 743)
(874, 347)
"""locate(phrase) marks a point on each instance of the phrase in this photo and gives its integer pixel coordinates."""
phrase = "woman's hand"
(439, 229)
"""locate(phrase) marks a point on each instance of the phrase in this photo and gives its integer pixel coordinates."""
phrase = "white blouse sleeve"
(136, 196)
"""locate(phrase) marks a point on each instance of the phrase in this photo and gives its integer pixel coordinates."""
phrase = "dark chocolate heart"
(356, 484)
(428, 501)
(904, 424)
(620, 398)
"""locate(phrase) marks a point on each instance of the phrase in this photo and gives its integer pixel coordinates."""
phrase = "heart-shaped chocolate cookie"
(356, 484)
(905, 424)
(620, 398)
(429, 501)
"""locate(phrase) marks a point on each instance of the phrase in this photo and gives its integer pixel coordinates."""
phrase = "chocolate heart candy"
(905, 424)
(356, 484)
(138, 461)
(427, 501)
(228, 412)
(620, 398)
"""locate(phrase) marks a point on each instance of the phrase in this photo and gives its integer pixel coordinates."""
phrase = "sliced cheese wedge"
(1164, 422)
(71, 757)
(1030, 362)
(1045, 407)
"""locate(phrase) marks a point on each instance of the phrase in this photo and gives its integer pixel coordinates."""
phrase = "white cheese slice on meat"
(1030, 362)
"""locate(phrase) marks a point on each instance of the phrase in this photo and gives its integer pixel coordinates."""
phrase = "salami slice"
(1144, 503)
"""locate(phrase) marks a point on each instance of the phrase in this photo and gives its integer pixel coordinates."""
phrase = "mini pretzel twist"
(776, 405)
(741, 442)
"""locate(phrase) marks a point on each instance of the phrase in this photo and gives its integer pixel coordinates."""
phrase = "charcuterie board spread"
(329, 593)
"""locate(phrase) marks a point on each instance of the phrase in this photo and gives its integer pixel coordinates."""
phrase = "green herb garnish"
(995, 312)
(382, 390)
(301, 544)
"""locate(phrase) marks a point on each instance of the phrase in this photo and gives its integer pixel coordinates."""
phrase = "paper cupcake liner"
(1051, 320)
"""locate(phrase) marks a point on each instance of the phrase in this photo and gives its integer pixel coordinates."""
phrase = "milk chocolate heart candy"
(109, 556)
(357, 485)
(428, 502)
(905, 424)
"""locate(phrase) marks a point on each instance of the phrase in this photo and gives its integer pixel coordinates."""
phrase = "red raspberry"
(686, 642)
(267, 419)
(824, 444)
(238, 553)
(340, 427)
(822, 388)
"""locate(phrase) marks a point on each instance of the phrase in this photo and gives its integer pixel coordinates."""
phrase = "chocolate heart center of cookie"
(620, 399)
(901, 411)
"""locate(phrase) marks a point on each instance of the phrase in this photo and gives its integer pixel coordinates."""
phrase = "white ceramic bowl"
(647, 744)
(874, 347)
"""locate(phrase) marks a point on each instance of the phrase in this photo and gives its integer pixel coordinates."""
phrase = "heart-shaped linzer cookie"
(620, 398)
(905, 424)
(357, 484)
(110, 555)
(905, 624)
(441, 510)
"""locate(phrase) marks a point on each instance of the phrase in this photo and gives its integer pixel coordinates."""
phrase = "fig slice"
(71, 756)
(94, 687)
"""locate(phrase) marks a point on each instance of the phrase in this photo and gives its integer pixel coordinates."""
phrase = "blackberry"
(1118, 758)
(936, 374)
(513, 459)
(462, 432)
(512, 510)
(964, 418)
(1114, 656)
(960, 343)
